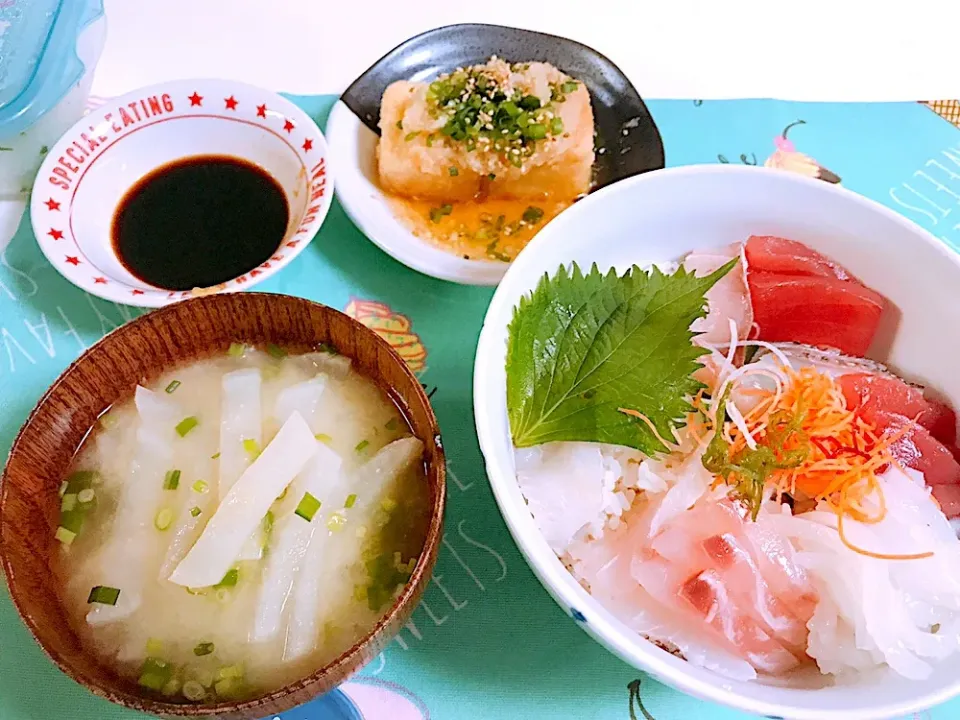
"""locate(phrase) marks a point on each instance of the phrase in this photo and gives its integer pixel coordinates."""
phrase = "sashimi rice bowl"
(725, 439)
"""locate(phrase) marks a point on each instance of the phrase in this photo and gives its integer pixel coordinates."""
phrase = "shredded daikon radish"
(120, 566)
(321, 477)
(741, 424)
(245, 506)
(240, 420)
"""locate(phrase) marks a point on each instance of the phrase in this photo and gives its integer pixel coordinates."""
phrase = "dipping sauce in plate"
(199, 221)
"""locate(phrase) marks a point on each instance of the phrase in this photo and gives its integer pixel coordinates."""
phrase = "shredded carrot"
(653, 428)
(845, 452)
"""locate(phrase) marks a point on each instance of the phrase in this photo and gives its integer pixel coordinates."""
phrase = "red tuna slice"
(815, 310)
(949, 498)
(918, 449)
(768, 253)
(891, 394)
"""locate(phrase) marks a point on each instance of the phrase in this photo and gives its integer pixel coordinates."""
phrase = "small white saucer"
(353, 156)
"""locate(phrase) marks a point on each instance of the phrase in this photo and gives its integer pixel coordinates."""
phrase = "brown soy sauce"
(199, 221)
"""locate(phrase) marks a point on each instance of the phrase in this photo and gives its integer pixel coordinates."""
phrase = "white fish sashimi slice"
(303, 398)
(325, 479)
(121, 567)
(293, 535)
(240, 419)
(246, 504)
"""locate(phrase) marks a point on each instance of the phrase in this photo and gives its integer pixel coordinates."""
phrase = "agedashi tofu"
(498, 131)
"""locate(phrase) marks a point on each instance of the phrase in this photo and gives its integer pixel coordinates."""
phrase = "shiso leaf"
(583, 345)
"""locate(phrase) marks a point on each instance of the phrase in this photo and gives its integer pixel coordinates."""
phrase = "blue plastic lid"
(38, 56)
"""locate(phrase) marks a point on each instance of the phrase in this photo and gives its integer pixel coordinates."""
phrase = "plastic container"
(48, 51)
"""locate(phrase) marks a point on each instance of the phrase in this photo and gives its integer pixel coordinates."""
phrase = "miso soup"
(239, 523)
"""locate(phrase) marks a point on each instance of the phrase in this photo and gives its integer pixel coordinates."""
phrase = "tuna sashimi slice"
(918, 449)
(871, 392)
(820, 311)
(767, 253)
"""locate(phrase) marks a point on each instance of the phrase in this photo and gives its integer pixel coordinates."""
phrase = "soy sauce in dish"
(199, 221)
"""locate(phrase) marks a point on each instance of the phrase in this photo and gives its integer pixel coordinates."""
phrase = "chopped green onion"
(194, 691)
(556, 126)
(200, 486)
(186, 425)
(171, 688)
(324, 438)
(103, 595)
(215, 456)
(453, 171)
(236, 350)
(195, 512)
(336, 521)
(399, 124)
(392, 424)
(268, 521)
(63, 488)
(430, 140)
(204, 648)
(164, 519)
(438, 213)
(230, 579)
(307, 507)
(530, 102)
(64, 536)
(532, 215)
(388, 504)
(351, 501)
(569, 86)
(68, 503)
(85, 496)
(107, 420)
(171, 481)
(172, 386)
(535, 131)
(491, 177)
(227, 688)
(328, 348)
(155, 674)
(252, 447)
(362, 445)
(282, 495)
(410, 136)
(228, 672)
(275, 351)
(196, 591)
(81, 480)
(154, 647)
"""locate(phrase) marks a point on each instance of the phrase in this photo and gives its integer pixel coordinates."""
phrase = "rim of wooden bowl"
(107, 372)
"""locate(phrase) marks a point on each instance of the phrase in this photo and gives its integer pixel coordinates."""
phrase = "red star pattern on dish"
(195, 99)
(52, 204)
(293, 243)
(307, 145)
(254, 273)
(230, 103)
(265, 266)
(261, 111)
(73, 260)
(99, 281)
(288, 126)
(55, 234)
(277, 258)
(136, 292)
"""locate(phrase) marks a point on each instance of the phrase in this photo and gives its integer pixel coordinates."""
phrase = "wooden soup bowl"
(109, 372)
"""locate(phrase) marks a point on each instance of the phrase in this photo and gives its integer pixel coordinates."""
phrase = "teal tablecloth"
(487, 642)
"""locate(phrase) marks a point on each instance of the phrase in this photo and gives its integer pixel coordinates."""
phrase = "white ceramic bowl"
(87, 173)
(658, 217)
(353, 149)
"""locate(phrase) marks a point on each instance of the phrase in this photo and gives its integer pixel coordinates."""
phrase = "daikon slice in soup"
(240, 522)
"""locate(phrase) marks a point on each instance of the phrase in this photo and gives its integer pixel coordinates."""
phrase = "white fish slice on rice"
(875, 611)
